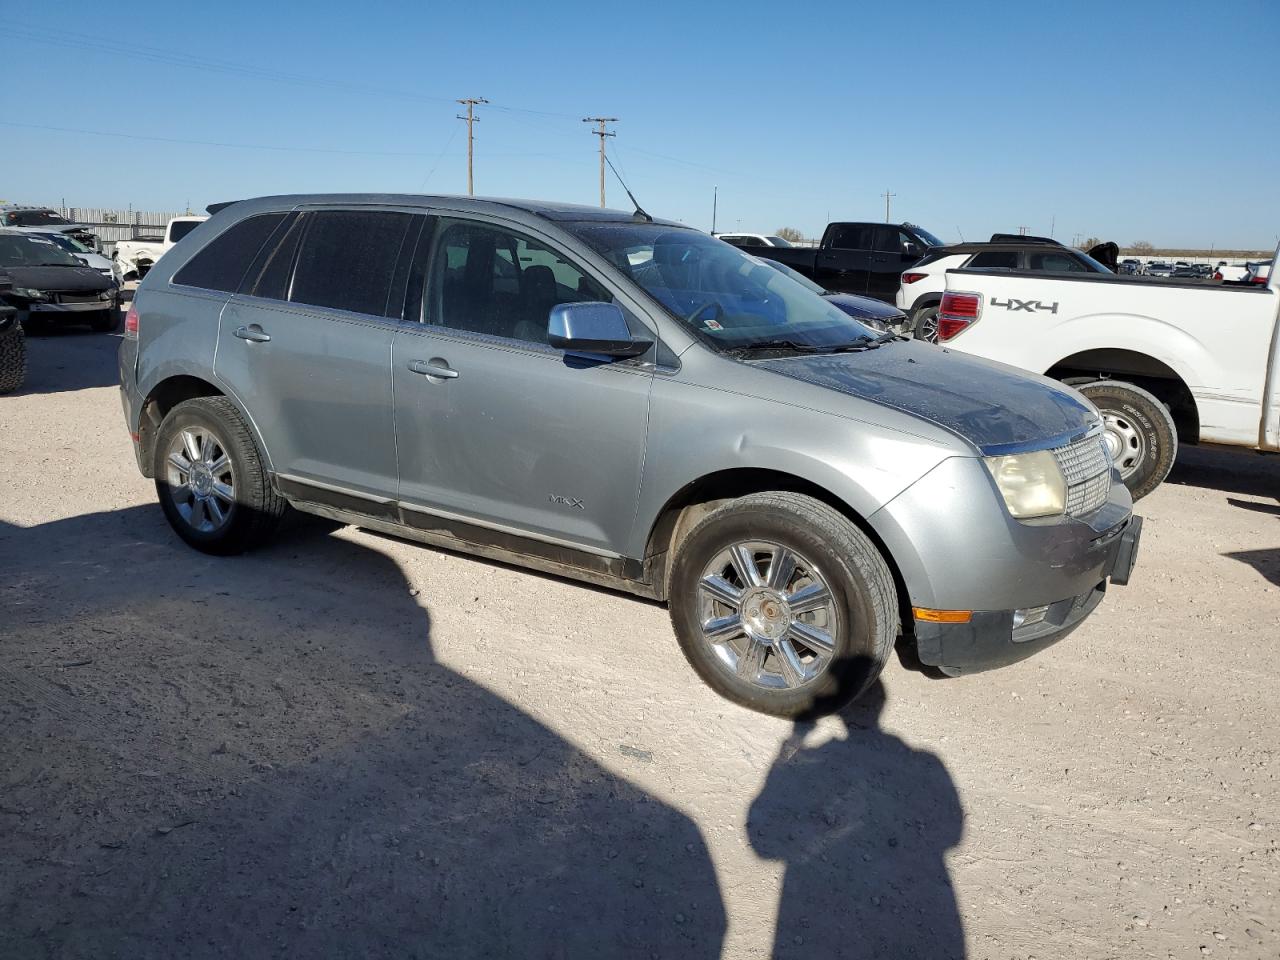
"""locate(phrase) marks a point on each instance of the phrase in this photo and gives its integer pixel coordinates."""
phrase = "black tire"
(862, 590)
(257, 508)
(925, 324)
(13, 358)
(105, 321)
(1143, 430)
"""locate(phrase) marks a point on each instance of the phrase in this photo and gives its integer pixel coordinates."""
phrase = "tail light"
(1217, 275)
(957, 312)
(1259, 278)
(131, 322)
(913, 277)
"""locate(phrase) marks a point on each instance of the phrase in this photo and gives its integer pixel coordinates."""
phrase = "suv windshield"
(929, 239)
(725, 297)
(69, 244)
(33, 252)
(779, 242)
(33, 218)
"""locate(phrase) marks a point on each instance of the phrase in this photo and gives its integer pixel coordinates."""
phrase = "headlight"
(1031, 483)
(28, 293)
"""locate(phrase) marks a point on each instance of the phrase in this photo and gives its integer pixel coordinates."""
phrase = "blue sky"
(1123, 120)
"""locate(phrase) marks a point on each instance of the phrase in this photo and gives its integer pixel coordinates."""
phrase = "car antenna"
(639, 214)
(960, 232)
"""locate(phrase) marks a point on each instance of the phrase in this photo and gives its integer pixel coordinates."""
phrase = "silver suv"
(632, 403)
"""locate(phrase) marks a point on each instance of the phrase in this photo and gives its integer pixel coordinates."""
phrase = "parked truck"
(136, 257)
(1165, 362)
(866, 259)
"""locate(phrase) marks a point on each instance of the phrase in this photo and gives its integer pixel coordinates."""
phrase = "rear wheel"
(925, 326)
(210, 478)
(1139, 432)
(13, 358)
(782, 605)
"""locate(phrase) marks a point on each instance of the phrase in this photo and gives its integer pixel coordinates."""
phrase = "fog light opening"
(1028, 616)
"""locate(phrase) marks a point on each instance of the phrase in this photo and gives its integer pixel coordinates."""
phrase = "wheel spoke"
(721, 629)
(789, 661)
(191, 443)
(815, 596)
(819, 641)
(179, 463)
(221, 465)
(751, 660)
(216, 514)
(224, 491)
(782, 567)
(744, 563)
(722, 590)
(182, 492)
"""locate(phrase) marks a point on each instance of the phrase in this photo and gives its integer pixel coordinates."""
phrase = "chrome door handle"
(253, 333)
(433, 368)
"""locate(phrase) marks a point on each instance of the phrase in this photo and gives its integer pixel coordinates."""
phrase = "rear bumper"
(991, 640)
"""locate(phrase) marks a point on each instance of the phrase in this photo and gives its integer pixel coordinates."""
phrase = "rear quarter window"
(221, 264)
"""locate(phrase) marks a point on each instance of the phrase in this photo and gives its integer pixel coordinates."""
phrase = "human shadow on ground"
(1266, 562)
(260, 756)
(863, 823)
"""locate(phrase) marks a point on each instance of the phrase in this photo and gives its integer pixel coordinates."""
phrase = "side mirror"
(593, 328)
(909, 249)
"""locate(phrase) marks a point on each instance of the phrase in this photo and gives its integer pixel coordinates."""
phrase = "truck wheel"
(1140, 433)
(13, 358)
(782, 605)
(105, 321)
(210, 478)
(925, 326)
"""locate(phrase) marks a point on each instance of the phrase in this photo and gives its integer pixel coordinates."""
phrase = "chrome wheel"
(1125, 443)
(926, 327)
(200, 479)
(768, 615)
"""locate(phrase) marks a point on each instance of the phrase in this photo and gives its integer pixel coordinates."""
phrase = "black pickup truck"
(862, 258)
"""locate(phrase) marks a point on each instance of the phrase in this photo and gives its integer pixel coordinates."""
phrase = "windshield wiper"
(778, 344)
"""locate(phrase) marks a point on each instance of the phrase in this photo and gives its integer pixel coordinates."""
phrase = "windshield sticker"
(712, 324)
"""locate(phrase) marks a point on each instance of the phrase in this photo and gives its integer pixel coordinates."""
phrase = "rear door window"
(1006, 260)
(849, 236)
(223, 261)
(1057, 262)
(347, 260)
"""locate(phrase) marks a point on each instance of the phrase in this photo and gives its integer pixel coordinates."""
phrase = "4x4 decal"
(1031, 306)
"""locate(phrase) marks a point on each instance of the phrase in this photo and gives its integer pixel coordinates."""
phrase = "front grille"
(1087, 469)
(78, 297)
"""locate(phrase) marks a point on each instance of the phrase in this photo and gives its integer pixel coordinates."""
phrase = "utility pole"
(887, 197)
(471, 118)
(601, 133)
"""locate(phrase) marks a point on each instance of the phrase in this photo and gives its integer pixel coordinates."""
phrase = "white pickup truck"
(1163, 360)
(136, 257)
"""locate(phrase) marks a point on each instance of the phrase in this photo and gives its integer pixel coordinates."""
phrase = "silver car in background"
(633, 403)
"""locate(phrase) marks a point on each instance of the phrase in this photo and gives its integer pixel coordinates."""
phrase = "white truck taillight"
(131, 322)
(957, 313)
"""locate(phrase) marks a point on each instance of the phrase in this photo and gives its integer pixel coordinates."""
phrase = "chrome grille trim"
(1086, 467)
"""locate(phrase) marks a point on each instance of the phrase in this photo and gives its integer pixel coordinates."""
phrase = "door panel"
(843, 265)
(521, 437)
(319, 389)
(888, 260)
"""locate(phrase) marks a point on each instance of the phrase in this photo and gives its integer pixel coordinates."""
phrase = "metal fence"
(112, 226)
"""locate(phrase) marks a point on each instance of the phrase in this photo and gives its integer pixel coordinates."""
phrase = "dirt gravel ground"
(346, 745)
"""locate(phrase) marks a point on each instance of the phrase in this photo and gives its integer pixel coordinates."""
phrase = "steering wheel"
(702, 306)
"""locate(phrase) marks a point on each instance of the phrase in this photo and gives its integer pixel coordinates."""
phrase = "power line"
(601, 133)
(472, 120)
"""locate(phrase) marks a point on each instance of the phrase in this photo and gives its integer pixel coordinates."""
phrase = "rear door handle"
(253, 333)
(433, 368)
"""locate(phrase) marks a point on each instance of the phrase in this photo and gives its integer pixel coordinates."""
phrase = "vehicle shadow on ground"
(1228, 471)
(862, 823)
(62, 359)
(260, 756)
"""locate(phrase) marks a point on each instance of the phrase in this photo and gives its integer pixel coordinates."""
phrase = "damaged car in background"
(136, 257)
(53, 286)
(46, 220)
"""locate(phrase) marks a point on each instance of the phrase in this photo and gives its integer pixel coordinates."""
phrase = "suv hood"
(989, 404)
(60, 279)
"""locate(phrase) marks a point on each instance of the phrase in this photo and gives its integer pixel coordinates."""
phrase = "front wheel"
(782, 605)
(212, 483)
(13, 358)
(1139, 432)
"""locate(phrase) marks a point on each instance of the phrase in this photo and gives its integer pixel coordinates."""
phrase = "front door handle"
(253, 333)
(433, 368)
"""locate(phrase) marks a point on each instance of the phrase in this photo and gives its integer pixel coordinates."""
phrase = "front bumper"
(80, 306)
(991, 640)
